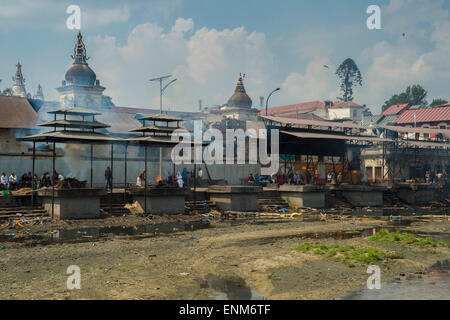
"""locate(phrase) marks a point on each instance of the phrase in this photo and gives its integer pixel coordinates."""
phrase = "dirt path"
(241, 260)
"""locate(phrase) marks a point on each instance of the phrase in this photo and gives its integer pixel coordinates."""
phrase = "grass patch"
(349, 255)
(407, 238)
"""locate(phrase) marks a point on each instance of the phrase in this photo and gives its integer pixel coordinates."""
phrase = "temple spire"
(39, 93)
(240, 84)
(240, 99)
(18, 88)
(18, 78)
(79, 51)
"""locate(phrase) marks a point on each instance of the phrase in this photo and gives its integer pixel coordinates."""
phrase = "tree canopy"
(438, 102)
(350, 76)
(413, 95)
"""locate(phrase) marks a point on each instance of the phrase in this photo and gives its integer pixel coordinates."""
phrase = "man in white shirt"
(4, 181)
(13, 181)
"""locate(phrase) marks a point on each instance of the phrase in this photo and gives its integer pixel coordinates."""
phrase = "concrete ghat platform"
(417, 193)
(307, 196)
(361, 196)
(161, 200)
(235, 198)
(72, 203)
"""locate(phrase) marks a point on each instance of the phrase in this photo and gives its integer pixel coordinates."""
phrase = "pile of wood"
(22, 192)
(71, 183)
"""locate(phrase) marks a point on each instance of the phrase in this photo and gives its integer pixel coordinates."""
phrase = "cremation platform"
(307, 196)
(360, 195)
(72, 203)
(417, 193)
(235, 198)
(161, 200)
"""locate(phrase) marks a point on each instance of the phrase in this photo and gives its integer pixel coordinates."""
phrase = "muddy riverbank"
(245, 259)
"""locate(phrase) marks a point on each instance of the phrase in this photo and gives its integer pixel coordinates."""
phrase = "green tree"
(413, 95)
(350, 76)
(107, 101)
(438, 102)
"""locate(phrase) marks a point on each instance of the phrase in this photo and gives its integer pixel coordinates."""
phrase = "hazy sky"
(206, 43)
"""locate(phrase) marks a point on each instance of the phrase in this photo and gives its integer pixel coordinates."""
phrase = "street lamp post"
(267, 101)
(161, 91)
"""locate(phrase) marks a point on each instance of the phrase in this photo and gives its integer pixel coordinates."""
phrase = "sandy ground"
(234, 257)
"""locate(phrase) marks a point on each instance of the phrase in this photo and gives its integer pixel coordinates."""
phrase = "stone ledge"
(72, 193)
(234, 189)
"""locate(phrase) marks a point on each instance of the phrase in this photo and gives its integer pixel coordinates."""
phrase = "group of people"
(297, 178)
(257, 179)
(432, 177)
(184, 179)
(27, 180)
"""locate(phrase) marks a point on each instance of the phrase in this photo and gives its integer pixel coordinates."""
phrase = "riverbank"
(249, 258)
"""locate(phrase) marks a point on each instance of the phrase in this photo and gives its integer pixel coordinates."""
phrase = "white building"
(344, 110)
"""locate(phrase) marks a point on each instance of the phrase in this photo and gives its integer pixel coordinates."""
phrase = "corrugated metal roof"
(155, 129)
(76, 111)
(440, 114)
(325, 124)
(395, 109)
(311, 135)
(388, 120)
(74, 124)
(305, 107)
(427, 144)
(161, 118)
(370, 120)
(16, 112)
(293, 108)
(64, 136)
(445, 132)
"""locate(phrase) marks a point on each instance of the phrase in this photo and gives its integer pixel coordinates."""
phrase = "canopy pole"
(112, 174)
(195, 182)
(32, 174)
(53, 180)
(125, 173)
(160, 163)
(145, 180)
(92, 161)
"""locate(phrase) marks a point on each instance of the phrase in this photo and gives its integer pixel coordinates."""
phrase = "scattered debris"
(134, 208)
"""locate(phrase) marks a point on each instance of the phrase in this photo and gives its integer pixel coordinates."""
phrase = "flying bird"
(325, 66)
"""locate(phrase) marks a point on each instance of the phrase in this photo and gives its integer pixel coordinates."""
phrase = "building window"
(355, 113)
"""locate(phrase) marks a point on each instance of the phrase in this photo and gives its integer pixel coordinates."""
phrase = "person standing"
(140, 179)
(55, 178)
(339, 178)
(180, 180)
(251, 179)
(329, 177)
(185, 176)
(108, 178)
(308, 176)
(316, 177)
(200, 175)
(192, 177)
(35, 182)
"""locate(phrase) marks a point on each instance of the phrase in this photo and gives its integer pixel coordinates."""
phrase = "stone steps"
(272, 204)
(199, 206)
(13, 211)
